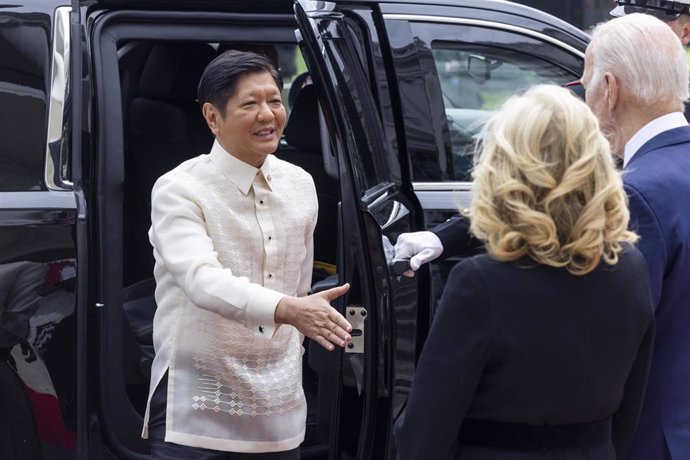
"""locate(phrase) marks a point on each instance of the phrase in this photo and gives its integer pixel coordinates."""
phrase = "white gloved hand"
(419, 247)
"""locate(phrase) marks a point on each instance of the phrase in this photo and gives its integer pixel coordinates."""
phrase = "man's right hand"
(419, 247)
(314, 317)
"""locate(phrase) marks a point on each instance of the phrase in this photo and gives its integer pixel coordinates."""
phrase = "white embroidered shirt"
(230, 241)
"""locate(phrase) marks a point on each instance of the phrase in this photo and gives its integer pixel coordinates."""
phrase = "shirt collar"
(651, 130)
(240, 173)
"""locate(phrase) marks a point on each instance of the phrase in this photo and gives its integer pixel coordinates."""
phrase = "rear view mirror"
(479, 68)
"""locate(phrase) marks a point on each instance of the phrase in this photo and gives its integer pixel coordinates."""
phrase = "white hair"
(645, 55)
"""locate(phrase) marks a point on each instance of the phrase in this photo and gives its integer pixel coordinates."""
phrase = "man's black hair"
(219, 80)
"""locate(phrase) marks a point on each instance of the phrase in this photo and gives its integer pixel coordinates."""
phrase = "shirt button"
(268, 178)
(270, 238)
(261, 329)
(270, 275)
(261, 202)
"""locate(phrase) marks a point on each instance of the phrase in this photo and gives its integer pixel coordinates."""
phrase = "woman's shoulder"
(631, 263)
(632, 255)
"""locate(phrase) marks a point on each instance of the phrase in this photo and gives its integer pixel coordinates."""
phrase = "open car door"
(370, 380)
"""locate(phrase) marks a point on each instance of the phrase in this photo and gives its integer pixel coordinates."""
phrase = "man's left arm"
(652, 244)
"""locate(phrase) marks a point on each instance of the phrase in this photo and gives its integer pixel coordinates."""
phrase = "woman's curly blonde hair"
(545, 184)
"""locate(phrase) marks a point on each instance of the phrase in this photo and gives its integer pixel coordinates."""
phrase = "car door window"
(476, 80)
(452, 74)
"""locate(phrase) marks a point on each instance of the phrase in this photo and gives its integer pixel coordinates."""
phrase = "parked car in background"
(97, 99)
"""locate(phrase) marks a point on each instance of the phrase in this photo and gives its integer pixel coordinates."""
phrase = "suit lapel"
(665, 139)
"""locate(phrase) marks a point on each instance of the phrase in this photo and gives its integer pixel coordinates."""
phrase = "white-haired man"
(636, 80)
(676, 14)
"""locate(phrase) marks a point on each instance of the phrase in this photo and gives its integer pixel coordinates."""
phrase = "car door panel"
(375, 210)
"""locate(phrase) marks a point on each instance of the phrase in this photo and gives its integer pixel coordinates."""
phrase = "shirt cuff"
(261, 307)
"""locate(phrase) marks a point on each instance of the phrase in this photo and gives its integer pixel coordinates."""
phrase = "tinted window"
(475, 81)
(452, 76)
(24, 71)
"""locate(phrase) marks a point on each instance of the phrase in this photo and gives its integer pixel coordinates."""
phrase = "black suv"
(97, 99)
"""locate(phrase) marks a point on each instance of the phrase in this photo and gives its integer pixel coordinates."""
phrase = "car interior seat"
(302, 135)
(164, 127)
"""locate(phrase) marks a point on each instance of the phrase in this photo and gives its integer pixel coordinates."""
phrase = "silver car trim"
(443, 196)
(55, 168)
(442, 186)
(489, 24)
(37, 200)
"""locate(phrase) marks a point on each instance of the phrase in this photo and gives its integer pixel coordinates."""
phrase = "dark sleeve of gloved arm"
(456, 238)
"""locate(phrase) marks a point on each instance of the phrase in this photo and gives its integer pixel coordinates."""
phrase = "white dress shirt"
(230, 240)
(651, 130)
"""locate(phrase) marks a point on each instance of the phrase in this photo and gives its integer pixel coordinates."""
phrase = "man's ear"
(612, 91)
(212, 116)
(685, 33)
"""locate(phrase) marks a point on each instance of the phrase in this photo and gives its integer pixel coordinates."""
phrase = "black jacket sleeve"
(449, 369)
(456, 238)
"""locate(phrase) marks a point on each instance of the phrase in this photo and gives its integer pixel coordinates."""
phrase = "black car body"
(97, 100)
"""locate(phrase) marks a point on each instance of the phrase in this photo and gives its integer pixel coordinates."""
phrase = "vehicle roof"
(528, 16)
(501, 7)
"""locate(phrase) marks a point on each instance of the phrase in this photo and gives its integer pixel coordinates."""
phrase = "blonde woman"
(541, 347)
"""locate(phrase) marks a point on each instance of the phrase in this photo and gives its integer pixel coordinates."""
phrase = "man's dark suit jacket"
(523, 343)
(657, 180)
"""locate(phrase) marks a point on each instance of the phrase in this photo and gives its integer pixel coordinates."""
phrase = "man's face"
(596, 97)
(254, 119)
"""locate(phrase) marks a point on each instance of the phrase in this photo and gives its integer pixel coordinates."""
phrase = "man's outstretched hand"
(314, 317)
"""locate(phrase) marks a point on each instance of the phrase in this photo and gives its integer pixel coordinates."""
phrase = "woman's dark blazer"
(524, 343)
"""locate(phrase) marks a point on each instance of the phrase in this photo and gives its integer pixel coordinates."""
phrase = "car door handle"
(399, 266)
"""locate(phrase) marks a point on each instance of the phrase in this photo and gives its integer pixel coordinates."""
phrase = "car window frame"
(446, 197)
